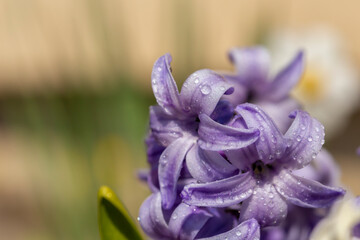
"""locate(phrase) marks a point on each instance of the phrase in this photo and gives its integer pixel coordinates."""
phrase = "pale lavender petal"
(216, 137)
(265, 205)
(356, 229)
(322, 169)
(278, 111)
(305, 138)
(252, 64)
(202, 91)
(284, 81)
(152, 219)
(270, 144)
(221, 193)
(164, 86)
(186, 221)
(208, 166)
(170, 165)
(304, 192)
(165, 128)
(243, 158)
(247, 230)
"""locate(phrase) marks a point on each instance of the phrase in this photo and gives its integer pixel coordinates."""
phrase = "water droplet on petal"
(196, 81)
(310, 139)
(206, 89)
(159, 69)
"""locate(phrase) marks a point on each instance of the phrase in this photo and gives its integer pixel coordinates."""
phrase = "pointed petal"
(265, 205)
(305, 138)
(164, 128)
(304, 192)
(164, 86)
(247, 230)
(152, 219)
(216, 137)
(285, 80)
(170, 165)
(208, 166)
(202, 91)
(271, 144)
(186, 221)
(252, 64)
(221, 193)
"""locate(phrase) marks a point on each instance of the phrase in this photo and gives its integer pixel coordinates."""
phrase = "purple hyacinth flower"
(300, 222)
(174, 123)
(266, 184)
(185, 222)
(253, 83)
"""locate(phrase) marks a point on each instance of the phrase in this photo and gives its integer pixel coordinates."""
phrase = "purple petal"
(164, 86)
(165, 128)
(277, 111)
(265, 205)
(252, 64)
(223, 112)
(222, 221)
(154, 149)
(216, 137)
(247, 230)
(284, 81)
(271, 144)
(170, 164)
(305, 138)
(186, 221)
(152, 219)
(221, 193)
(243, 158)
(202, 91)
(208, 166)
(304, 192)
(323, 169)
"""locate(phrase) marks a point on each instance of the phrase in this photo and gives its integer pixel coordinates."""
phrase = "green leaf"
(115, 222)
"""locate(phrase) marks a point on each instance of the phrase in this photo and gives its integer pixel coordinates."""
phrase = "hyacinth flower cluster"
(231, 156)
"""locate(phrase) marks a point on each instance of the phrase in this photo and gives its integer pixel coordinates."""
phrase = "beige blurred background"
(75, 91)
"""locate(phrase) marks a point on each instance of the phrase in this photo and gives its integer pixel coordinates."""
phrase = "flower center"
(261, 171)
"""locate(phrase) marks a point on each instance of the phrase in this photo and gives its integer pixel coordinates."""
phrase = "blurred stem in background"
(89, 139)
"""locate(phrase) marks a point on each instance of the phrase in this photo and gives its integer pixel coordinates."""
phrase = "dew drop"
(310, 139)
(138, 218)
(206, 89)
(174, 216)
(159, 69)
(298, 138)
(222, 88)
(238, 233)
(196, 81)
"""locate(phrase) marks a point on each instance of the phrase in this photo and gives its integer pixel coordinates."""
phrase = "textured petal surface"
(222, 193)
(216, 137)
(305, 138)
(280, 86)
(202, 91)
(271, 144)
(223, 112)
(165, 128)
(247, 230)
(304, 192)
(164, 86)
(186, 221)
(265, 205)
(252, 64)
(208, 166)
(170, 165)
(279, 110)
(152, 219)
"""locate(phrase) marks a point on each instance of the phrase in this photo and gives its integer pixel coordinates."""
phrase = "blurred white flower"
(330, 87)
(344, 215)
